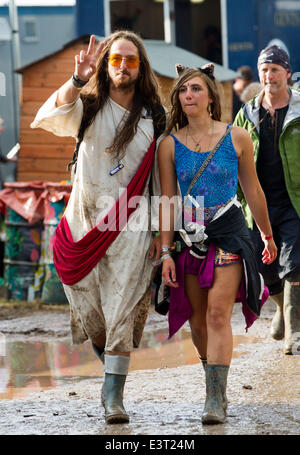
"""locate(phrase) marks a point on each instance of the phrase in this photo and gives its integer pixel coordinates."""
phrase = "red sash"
(74, 260)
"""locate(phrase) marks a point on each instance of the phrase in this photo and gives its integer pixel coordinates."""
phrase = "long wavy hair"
(178, 119)
(145, 95)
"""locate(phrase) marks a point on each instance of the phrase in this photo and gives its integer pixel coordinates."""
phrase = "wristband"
(157, 234)
(268, 237)
(78, 83)
(74, 85)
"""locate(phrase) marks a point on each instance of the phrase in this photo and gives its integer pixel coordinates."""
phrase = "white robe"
(115, 296)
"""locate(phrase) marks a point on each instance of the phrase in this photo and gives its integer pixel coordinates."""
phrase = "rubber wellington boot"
(291, 310)
(225, 400)
(204, 363)
(116, 369)
(216, 402)
(277, 325)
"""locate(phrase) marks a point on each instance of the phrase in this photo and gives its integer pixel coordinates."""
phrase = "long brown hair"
(178, 119)
(146, 92)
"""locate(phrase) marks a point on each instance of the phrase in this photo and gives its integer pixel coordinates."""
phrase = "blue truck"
(244, 26)
(248, 27)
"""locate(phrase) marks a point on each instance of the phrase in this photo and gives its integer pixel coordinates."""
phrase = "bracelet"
(78, 83)
(166, 256)
(175, 247)
(75, 86)
(268, 237)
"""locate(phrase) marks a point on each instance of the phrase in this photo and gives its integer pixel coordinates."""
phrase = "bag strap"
(208, 159)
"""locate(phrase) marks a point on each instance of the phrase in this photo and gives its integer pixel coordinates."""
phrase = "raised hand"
(85, 62)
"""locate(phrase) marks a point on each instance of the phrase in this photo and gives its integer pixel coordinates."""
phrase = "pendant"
(116, 169)
(198, 148)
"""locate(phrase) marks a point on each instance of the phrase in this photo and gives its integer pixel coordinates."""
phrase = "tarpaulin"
(29, 199)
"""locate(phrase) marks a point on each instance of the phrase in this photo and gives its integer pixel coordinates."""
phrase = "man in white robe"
(110, 304)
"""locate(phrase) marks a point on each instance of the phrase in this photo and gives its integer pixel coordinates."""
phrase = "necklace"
(120, 165)
(197, 147)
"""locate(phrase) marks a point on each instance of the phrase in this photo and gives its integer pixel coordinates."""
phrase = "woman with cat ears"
(218, 267)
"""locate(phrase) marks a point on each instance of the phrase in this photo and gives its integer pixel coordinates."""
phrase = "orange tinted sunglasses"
(132, 61)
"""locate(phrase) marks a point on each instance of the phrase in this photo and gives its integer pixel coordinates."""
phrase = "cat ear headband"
(207, 69)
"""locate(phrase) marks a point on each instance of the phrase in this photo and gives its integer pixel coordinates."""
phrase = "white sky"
(40, 2)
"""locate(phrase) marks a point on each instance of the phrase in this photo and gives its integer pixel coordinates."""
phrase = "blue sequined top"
(217, 184)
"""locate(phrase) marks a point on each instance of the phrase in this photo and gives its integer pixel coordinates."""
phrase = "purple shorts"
(222, 258)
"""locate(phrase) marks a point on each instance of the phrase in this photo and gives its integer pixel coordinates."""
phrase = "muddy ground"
(263, 386)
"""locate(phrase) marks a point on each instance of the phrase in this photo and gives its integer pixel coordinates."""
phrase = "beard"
(120, 84)
(273, 88)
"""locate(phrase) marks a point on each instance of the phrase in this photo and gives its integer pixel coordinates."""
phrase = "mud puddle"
(33, 366)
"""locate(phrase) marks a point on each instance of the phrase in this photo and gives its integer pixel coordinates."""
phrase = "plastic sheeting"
(29, 199)
(32, 211)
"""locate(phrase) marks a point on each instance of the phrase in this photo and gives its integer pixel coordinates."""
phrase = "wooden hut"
(44, 156)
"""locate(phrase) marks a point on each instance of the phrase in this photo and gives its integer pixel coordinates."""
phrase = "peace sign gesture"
(85, 62)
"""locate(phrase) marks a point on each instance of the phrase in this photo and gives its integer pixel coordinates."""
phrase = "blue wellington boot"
(116, 369)
(216, 401)
(225, 401)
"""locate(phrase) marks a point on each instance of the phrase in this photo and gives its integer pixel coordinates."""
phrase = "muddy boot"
(291, 310)
(204, 363)
(215, 403)
(99, 352)
(277, 325)
(116, 369)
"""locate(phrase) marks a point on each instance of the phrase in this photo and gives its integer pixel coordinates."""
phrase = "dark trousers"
(286, 231)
